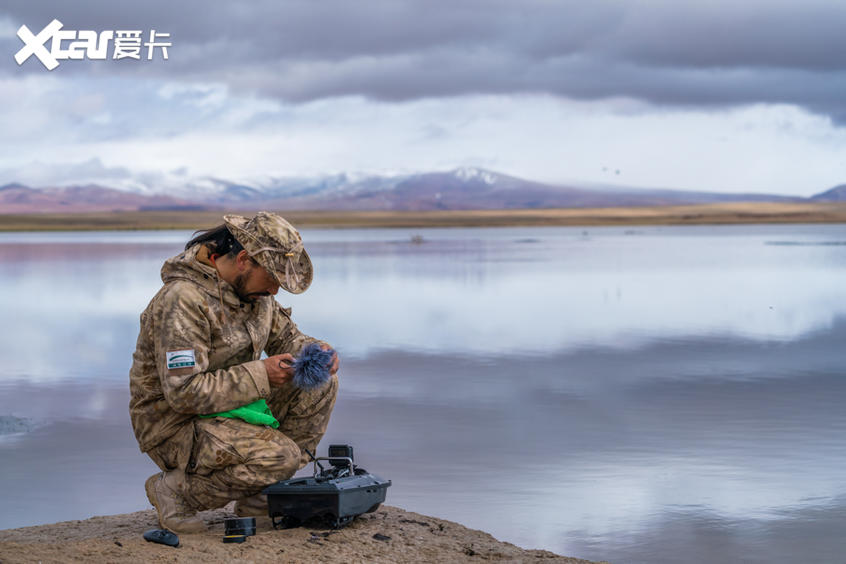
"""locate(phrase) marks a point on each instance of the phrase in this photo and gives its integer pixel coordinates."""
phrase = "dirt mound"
(388, 535)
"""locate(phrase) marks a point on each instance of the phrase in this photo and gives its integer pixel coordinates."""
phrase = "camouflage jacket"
(199, 349)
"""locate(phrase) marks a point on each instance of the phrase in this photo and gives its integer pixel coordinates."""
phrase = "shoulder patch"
(180, 359)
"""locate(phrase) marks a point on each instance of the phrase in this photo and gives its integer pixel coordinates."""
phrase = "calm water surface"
(635, 395)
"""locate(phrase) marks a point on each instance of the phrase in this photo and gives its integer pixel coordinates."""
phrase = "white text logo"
(71, 44)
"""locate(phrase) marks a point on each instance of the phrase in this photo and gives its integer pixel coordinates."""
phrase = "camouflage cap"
(275, 245)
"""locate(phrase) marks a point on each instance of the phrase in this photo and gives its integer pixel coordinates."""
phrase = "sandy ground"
(704, 214)
(388, 535)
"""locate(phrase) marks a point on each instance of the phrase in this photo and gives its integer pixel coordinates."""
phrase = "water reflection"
(574, 447)
(632, 395)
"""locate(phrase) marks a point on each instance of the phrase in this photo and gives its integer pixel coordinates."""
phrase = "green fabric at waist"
(256, 413)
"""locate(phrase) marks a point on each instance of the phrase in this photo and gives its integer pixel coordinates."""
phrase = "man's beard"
(240, 285)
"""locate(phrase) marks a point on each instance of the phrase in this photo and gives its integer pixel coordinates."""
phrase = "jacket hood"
(189, 265)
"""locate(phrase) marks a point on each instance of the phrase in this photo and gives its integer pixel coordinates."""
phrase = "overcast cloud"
(534, 82)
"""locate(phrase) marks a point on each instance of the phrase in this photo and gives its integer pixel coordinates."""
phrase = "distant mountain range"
(460, 189)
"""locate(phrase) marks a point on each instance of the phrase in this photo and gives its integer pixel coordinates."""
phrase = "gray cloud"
(690, 53)
(45, 174)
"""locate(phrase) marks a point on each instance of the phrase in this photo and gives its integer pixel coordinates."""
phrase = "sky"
(693, 95)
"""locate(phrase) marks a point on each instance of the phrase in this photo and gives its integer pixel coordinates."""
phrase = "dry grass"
(724, 213)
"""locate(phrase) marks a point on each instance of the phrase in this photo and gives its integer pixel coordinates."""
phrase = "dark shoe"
(174, 512)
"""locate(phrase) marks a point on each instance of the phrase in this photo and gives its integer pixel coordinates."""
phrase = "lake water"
(662, 394)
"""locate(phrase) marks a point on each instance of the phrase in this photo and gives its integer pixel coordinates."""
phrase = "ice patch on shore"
(11, 425)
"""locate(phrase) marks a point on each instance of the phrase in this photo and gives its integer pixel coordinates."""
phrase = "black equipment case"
(336, 495)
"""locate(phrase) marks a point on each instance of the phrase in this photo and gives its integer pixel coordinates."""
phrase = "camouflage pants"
(226, 459)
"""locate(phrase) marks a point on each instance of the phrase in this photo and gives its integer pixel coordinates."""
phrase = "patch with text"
(180, 359)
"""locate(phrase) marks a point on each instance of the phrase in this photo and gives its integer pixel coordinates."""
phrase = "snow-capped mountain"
(460, 189)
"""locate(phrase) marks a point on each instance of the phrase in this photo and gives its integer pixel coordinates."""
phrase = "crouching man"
(197, 370)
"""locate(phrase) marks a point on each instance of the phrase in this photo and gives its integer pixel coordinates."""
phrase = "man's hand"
(333, 368)
(279, 369)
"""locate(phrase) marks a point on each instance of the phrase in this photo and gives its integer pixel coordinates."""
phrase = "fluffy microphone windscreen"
(311, 367)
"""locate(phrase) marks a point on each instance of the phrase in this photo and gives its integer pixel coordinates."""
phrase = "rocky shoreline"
(388, 535)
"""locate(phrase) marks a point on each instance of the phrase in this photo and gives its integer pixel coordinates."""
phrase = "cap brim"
(305, 271)
(236, 225)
